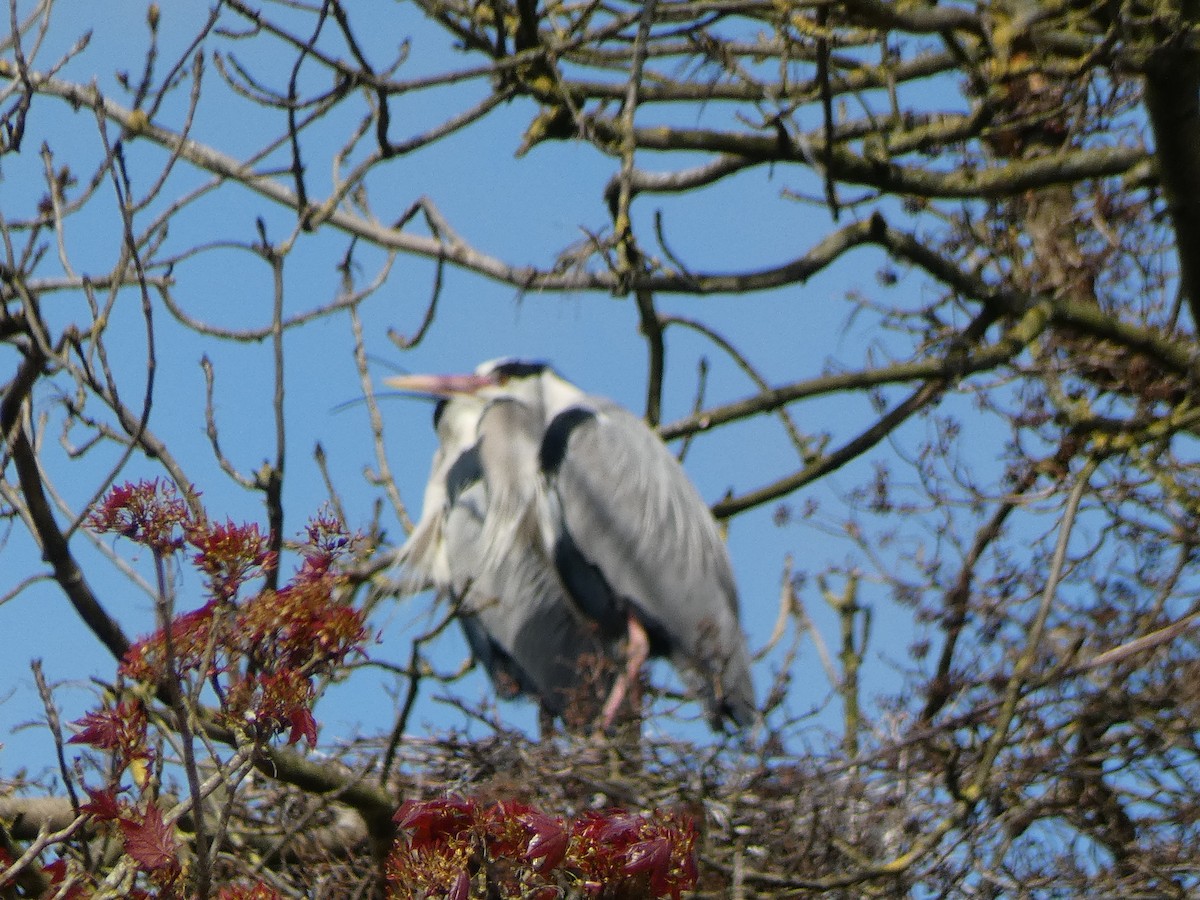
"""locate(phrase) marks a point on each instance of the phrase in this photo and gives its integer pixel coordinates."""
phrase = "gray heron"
(621, 526)
(517, 620)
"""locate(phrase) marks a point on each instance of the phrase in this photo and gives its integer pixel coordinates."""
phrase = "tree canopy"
(913, 287)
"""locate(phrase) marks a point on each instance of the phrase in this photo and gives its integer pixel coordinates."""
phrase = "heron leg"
(637, 651)
(546, 728)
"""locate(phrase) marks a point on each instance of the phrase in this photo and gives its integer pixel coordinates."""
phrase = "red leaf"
(620, 827)
(150, 842)
(654, 858)
(121, 729)
(430, 819)
(57, 870)
(101, 729)
(462, 887)
(102, 804)
(549, 842)
(303, 726)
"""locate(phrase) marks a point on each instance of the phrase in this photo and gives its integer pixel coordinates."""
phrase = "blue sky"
(524, 210)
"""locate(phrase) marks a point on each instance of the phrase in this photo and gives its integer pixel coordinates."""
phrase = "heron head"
(533, 382)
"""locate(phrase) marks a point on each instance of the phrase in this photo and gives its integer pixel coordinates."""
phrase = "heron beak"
(438, 385)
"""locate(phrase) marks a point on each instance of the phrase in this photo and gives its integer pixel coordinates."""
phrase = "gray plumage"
(635, 536)
(512, 608)
(630, 535)
(623, 532)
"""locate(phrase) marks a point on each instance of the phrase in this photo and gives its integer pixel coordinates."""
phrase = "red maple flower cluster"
(655, 854)
(147, 512)
(300, 626)
(229, 554)
(458, 848)
(267, 703)
(260, 653)
(326, 542)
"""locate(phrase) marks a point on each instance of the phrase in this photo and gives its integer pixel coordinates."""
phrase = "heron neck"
(557, 395)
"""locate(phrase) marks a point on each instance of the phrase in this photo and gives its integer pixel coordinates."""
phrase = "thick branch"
(949, 365)
(55, 549)
(1173, 105)
(31, 815)
(860, 78)
(889, 176)
(1175, 355)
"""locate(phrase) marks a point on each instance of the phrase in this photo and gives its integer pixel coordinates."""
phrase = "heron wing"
(516, 616)
(634, 535)
(421, 560)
